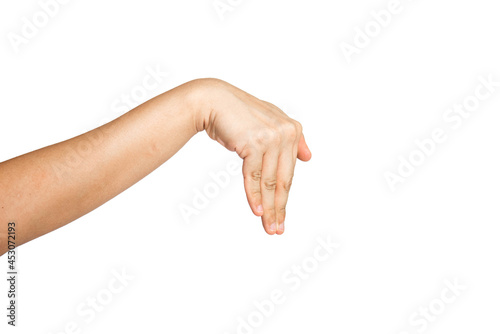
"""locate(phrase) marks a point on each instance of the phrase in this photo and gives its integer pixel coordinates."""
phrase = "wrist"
(201, 97)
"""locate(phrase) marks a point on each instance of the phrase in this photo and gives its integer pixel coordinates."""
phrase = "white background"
(397, 249)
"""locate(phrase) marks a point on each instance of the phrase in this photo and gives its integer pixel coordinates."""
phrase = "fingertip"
(305, 155)
(270, 229)
(259, 211)
(281, 229)
(309, 155)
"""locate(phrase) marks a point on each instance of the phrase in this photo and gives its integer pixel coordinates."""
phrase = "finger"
(268, 188)
(286, 166)
(252, 175)
(304, 153)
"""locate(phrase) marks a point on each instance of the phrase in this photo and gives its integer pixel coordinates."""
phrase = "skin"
(53, 186)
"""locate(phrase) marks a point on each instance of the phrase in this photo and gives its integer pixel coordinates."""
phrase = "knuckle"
(244, 151)
(289, 130)
(287, 185)
(261, 137)
(248, 150)
(274, 137)
(265, 136)
(298, 127)
(255, 175)
(270, 184)
(255, 192)
(270, 136)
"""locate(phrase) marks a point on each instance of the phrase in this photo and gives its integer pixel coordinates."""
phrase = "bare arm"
(48, 188)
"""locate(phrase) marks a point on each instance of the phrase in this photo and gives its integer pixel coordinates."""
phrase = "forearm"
(48, 188)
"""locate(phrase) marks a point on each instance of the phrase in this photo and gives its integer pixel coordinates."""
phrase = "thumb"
(304, 153)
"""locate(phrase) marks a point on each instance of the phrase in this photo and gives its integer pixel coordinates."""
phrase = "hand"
(266, 139)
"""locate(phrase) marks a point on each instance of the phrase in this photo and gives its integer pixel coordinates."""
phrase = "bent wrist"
(202, 95)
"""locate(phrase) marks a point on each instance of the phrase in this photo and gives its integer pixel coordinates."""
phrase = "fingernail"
(281, 227)
(260, 209)
(273, 228)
